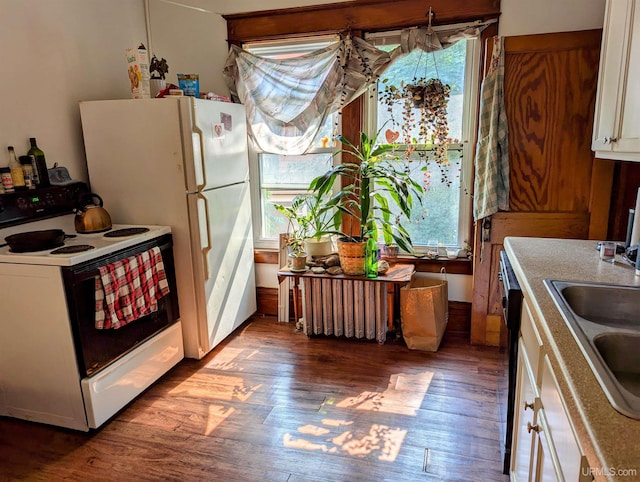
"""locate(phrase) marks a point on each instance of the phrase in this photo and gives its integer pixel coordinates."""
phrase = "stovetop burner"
(78, 248)
(120, 233)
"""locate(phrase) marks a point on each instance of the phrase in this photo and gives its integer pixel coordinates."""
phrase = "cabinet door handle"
(610, 140)
(527, 405)
(535, 428)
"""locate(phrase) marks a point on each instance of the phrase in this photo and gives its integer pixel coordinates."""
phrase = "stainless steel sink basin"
(621, 354)
(614, 306)
(605, 321)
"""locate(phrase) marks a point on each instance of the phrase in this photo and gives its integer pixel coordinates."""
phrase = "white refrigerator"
(182, 162)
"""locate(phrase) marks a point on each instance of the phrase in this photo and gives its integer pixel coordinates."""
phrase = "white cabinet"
(526, 402)
(616, 130)
(545, 447)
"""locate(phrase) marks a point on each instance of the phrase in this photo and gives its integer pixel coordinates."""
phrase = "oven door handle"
(205, 233)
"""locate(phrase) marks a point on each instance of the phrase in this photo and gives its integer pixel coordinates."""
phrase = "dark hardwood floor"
(272, 404)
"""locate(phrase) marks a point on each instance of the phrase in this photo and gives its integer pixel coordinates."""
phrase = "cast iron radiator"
(344, 307)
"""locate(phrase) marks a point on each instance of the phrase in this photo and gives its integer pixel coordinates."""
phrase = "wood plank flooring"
(270, 404)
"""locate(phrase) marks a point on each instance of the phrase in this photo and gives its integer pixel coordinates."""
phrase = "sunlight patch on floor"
(381, 441)
(217, 415)
(221, 387)
(403, 396)
(229, 359)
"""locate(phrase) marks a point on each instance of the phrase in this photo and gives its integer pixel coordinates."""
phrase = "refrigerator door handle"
(205, 237)
(198, 160)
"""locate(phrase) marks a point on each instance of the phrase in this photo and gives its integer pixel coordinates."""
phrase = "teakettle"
(91, 217)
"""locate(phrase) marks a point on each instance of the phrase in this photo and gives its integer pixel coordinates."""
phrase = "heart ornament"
(391, 136)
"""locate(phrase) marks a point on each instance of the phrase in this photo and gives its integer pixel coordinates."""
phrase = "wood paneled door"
(557, 187)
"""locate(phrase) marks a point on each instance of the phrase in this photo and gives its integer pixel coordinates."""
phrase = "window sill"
(423, 265)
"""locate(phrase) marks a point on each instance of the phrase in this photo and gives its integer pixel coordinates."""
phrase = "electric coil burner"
(121, 233)
(78, 248)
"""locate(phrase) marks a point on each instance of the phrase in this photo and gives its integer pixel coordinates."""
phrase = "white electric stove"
(57, 367)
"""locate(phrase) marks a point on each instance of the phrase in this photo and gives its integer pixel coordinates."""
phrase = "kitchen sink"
(613, 306)
(604, 319)
(621, 354)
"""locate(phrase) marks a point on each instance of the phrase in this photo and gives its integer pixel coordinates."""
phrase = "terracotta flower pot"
(298, 261)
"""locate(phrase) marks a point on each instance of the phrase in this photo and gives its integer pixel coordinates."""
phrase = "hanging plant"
(431, 98)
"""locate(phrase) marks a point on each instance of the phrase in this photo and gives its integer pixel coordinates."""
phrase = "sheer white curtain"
(287, 100)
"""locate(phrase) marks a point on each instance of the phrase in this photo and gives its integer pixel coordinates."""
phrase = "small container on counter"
(608, 251)
(7, 180)
(30, 160)
(16, 170)
(28, 172)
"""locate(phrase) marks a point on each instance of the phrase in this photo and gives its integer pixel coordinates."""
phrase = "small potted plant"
(313, 219)
(158, 70)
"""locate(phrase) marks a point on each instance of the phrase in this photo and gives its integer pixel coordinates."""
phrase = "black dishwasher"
(511, 308)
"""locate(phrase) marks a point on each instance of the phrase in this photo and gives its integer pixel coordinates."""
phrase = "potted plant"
(322, 220)
(431, 98)
(297, 256)
(158, 70)
(376, 178)
(313, 218)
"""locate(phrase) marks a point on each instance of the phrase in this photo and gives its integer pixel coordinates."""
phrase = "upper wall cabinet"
(616, 131)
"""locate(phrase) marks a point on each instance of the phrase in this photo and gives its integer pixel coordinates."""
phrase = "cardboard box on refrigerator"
(138, 70)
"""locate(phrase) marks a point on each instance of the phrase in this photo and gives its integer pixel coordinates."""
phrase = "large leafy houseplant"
(375, 178)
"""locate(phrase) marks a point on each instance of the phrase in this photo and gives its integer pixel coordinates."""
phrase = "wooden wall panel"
(550, 85)
(626, 182)
(550, 99)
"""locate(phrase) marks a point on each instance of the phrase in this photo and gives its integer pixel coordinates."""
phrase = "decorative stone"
(334, 270)
(318, 270)
(383, 267)
(332, 260)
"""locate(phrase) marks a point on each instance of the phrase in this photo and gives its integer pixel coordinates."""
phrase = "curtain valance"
(287, 100)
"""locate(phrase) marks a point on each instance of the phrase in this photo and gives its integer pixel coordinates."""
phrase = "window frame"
(468, 140)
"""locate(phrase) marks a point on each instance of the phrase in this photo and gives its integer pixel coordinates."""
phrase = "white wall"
(523, 17)
(192, 35)
(55, 53)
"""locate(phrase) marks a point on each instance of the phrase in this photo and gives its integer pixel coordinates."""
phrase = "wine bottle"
(16, 170)
(41, 165)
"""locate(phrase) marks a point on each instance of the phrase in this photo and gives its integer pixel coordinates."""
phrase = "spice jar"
(7, 180)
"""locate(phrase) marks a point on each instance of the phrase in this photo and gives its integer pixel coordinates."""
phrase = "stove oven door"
(96, 349)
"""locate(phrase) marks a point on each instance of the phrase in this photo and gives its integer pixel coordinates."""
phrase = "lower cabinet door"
(544, 460)
(526, 404)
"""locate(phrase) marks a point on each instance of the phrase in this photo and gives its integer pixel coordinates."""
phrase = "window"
(445, 213)
(280, 178)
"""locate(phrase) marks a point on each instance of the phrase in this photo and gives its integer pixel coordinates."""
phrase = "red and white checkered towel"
(130, 289)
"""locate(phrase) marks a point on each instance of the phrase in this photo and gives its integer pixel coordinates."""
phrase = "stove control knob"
(22, 203)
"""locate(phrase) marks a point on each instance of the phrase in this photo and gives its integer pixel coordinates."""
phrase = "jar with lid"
(27, 172)
(7, 180)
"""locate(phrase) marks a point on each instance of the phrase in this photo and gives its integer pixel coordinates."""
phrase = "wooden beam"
(367, 15)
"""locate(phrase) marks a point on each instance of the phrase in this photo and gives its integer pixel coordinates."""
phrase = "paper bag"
(424, 312)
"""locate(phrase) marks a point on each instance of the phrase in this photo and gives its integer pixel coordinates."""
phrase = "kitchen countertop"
(610, 440)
